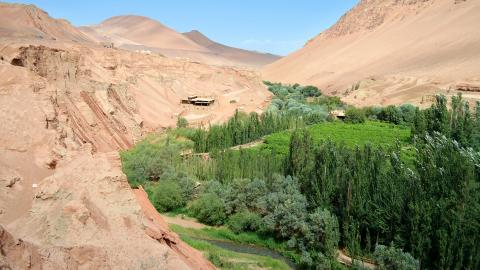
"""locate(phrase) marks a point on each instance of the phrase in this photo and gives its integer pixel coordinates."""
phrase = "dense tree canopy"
(407, 206)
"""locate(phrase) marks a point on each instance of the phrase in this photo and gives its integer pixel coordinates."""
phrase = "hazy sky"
(275, 26)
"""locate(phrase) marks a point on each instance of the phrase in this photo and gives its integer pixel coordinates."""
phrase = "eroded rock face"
(88, 209)
(16, 254)
(64, 201)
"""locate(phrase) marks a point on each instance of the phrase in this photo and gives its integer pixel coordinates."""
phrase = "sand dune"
(379, 46)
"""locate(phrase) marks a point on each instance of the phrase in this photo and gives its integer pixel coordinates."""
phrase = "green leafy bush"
(355, 116)
(146, 162)
(393, 258)
(244, 221)
(323, 232)
(209, 209)
(391, 114)
(167, 195)
(182, 122)
(284, 208)
(310, 91)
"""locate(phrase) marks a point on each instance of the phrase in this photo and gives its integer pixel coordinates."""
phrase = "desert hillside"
(145, 34)
(390, 52)
(26, 21)
(249, 58)
(67, 106)
(139, 30)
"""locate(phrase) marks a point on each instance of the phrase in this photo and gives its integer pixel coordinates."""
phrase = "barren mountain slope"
(27, 21)
(389, 51)
(66, 109)
(142, 33)
(250, 58)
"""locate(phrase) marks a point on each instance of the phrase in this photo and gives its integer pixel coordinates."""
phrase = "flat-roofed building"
(198, 101)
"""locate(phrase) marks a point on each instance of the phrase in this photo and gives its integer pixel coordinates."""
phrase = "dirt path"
(248, 145)
(346, 260)
(160, 231)
(185, 222)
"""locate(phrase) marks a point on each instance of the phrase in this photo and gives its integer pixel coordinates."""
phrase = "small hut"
(339, 114)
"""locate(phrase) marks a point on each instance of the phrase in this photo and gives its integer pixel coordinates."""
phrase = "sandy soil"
(185, 222)
(248, 145)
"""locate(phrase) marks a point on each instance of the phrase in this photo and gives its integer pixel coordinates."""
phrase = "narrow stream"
(249, 249)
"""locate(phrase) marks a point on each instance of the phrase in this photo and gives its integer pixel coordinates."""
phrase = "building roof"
(340, 113)
(203, 100)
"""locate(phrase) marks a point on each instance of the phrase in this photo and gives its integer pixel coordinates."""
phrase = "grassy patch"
(225, 234)
(225, 259)
(179, 211)
(375, 133)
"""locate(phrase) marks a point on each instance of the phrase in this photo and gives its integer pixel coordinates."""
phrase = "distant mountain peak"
(136, 32)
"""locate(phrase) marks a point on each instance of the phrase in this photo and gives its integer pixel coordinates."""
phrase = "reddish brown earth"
(67, 106)
(391, 52)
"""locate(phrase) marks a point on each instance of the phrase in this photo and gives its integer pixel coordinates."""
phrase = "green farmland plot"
(375, 133)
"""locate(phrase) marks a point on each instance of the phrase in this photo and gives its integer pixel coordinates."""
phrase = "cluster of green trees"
(398, 115)
(324, 195)
(458, 123)
(157, 167)
(355, 116)
(284, 91)
(428, 210)
(226, 165)
(289, 109)
(306, 102)
(241, 129)
(274, 207)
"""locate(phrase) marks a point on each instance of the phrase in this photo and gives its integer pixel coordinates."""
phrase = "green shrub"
(310, 91)
(209, 209)
(408, 113)
(323, 233)
(146, 162)
(316, 117)
(244, 221)
(391, 114)
(182, 122)
(355, 116)
(393, 258)
(167, 195)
